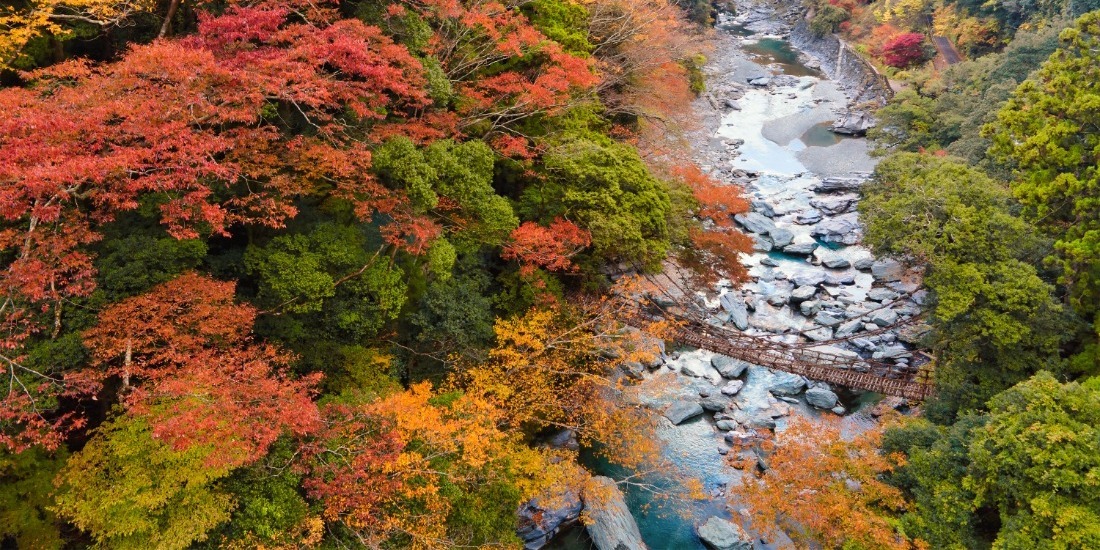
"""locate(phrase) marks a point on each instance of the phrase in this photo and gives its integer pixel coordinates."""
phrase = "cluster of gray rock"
(609, 522)
(742, 419)
(832, 292)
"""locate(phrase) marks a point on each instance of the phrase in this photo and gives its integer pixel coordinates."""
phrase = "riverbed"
(766, 127)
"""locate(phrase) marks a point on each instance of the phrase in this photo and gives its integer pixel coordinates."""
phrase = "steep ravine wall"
(841, 63)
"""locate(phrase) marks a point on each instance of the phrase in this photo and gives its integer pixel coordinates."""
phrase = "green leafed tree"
(943, 512)
(607, 189)
(1050, 131)
(996, 320)
(128, 490)
(332, 274)
(26, 481)
(453, 177)
(1037, 462)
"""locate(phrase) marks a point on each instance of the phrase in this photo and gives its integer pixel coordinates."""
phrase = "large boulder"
(755, 222)
(785, 383)
(822, 398)
(682, 411)
(693, 368)
(728, 367)
(612, 526)
(853, 123)
(809, 307)
(835, 184)
(733, 387)
(735, 306)
(832, 206)
(539, 520)
(802, 245)
(840, 278)
(803, 293)
(719, 534)
(808, 277)
(880, 294)
(715, 403)
(849, 328)
(809, 217)
(831, 259)
(862, 259)
(887, 270)
(826, 319)
(761, 243)
(781, 237)
(842, 229)
(884, 317)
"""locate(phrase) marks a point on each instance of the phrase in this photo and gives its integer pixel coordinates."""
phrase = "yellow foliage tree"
(23, 21)
(553, 368)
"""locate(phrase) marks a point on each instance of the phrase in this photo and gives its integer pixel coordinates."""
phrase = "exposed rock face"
(682, 411)
(612, 527)
(538, 522)
(735, 306)
(854, 123)
(719, 534)
(565, 439)
(833, 185)
(840, 63)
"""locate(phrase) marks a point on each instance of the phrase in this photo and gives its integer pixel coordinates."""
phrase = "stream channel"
(766, 126)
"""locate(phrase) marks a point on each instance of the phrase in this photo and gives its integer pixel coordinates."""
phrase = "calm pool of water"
(821, 135)
(773, 51)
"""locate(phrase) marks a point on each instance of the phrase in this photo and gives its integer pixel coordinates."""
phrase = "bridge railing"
(854, 372)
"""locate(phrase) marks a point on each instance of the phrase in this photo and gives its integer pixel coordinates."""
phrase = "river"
(772, 137)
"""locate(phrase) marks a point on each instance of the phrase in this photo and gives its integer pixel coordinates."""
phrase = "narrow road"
(946, 50)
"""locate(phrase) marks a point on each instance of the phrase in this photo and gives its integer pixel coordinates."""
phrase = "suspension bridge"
(820, 361)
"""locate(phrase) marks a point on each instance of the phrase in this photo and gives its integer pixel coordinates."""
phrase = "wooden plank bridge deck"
(841, 370)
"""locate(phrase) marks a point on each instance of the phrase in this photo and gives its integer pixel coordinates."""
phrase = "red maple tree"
(547, 247)
(184, 358)
(904, 50)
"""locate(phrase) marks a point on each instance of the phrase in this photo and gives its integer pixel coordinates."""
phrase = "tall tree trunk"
(167, 24)
(126, 362)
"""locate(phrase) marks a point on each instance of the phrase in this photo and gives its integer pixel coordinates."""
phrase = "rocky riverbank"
(768, 119)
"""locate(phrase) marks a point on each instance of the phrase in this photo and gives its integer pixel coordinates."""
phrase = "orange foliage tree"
(184, 359)
(825, 489)
(639, 45)
(716, 244)
(195, 127)
(502, 68)
(384, 469)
